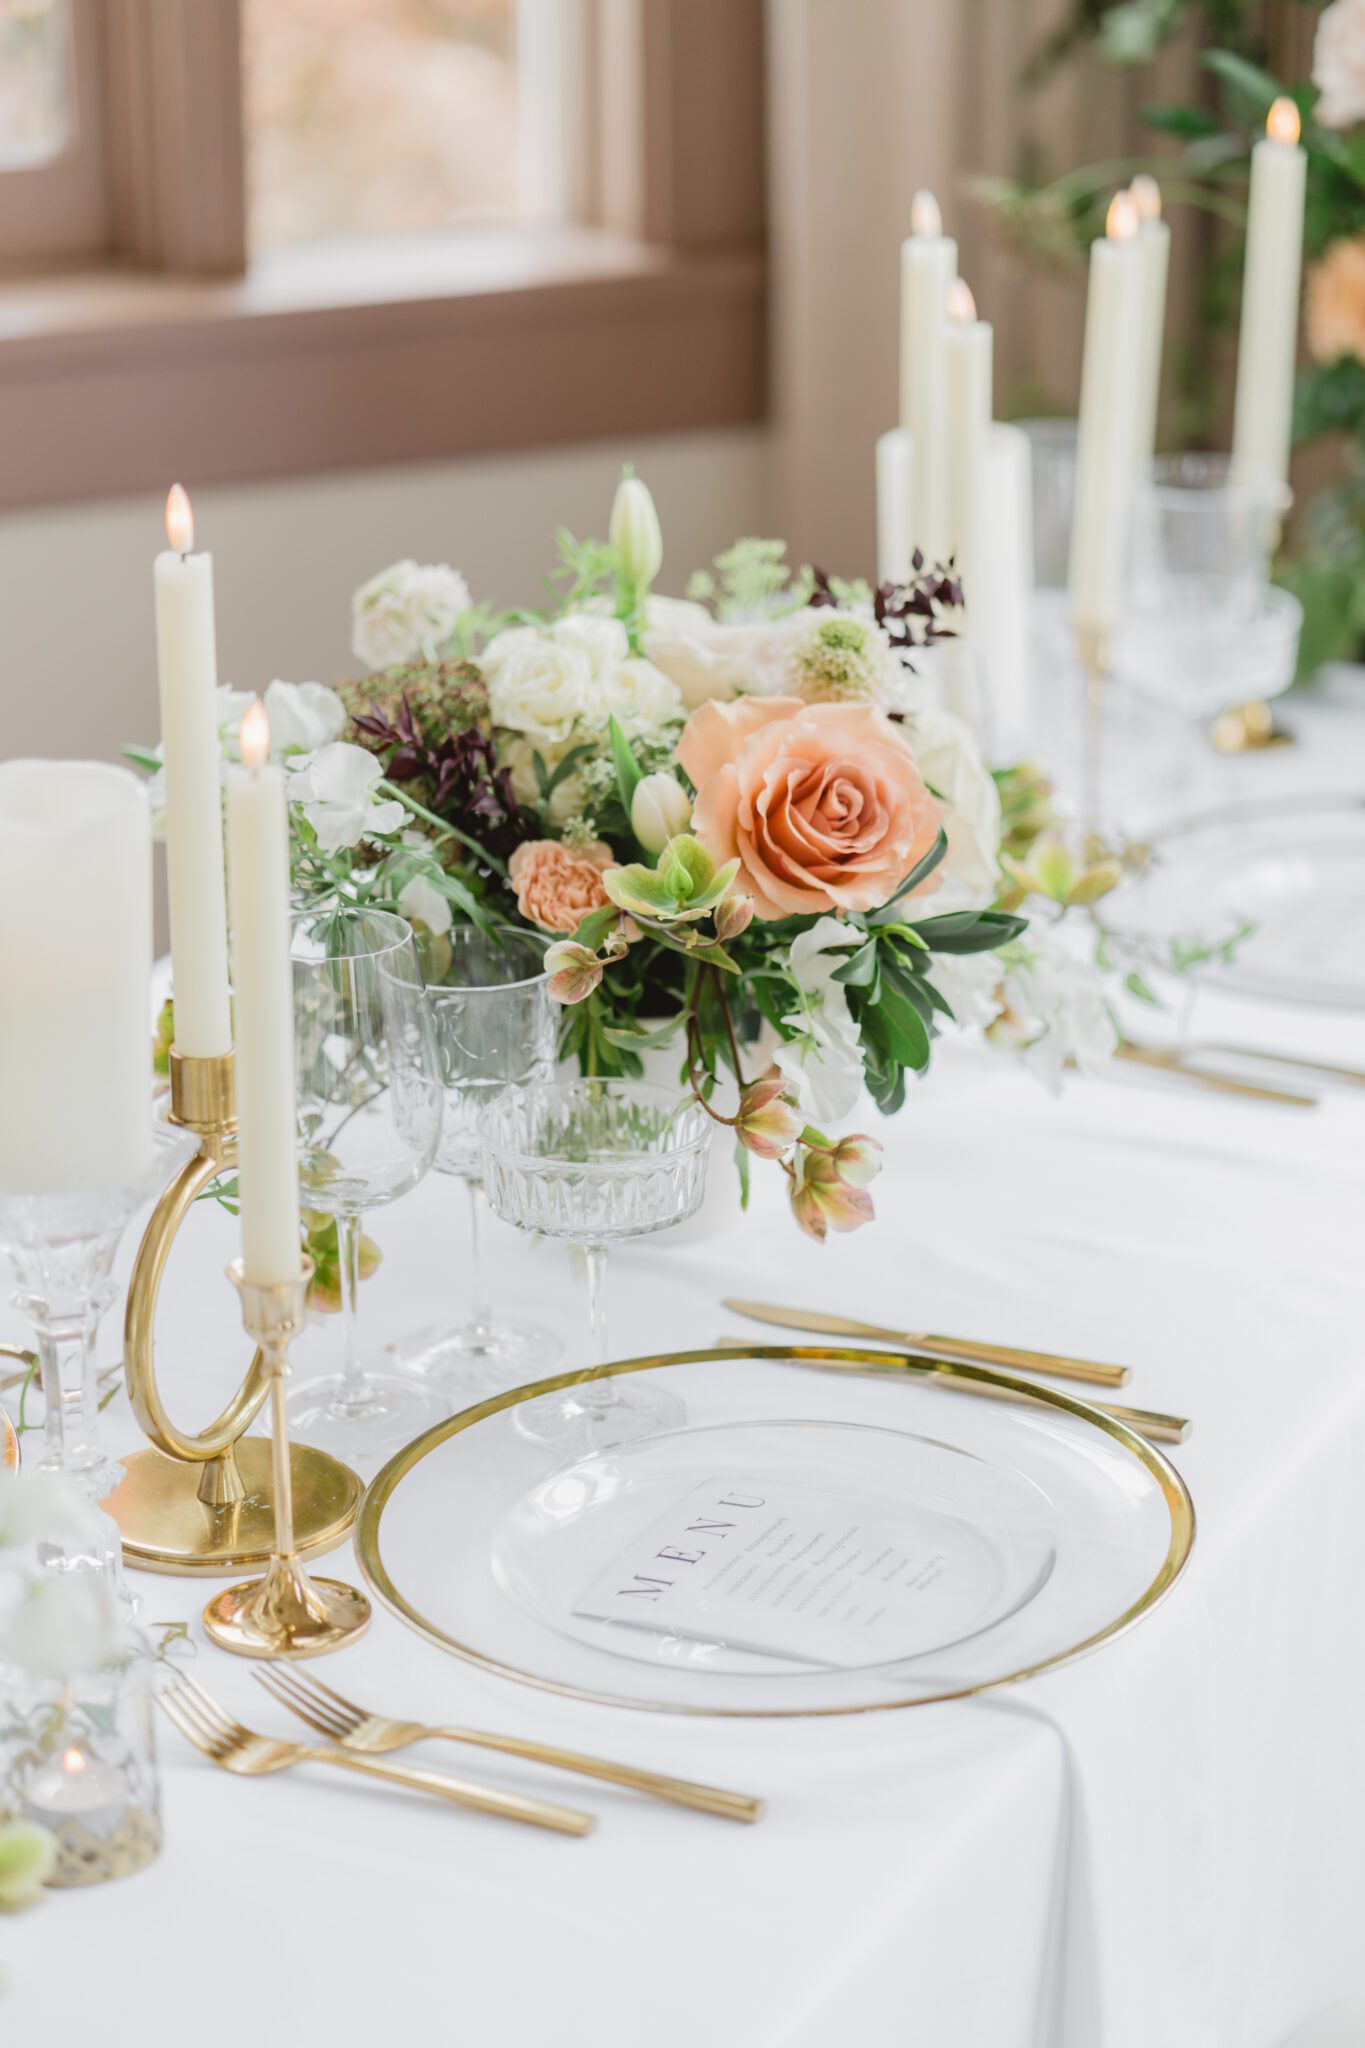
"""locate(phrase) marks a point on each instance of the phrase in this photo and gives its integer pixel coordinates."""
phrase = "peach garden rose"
(557, 884)
(822, 803)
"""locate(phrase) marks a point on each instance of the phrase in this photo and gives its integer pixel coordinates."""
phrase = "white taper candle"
(928, 267)
(1154, 254)
(1268, 342)
(1105, 444)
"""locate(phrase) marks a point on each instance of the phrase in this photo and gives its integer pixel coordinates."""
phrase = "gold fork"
(234, 1748)
(347, 1724)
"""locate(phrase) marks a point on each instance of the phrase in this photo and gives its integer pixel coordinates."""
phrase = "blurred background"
(377, 278)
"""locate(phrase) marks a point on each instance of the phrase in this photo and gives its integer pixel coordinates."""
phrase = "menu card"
(792, 1570)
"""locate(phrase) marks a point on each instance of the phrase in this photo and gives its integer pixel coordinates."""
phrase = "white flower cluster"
(555, 682)
(407, 612)
(52, 1624)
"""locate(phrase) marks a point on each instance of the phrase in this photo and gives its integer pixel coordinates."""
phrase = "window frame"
(635, 305)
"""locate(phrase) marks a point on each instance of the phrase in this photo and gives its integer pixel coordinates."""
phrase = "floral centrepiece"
(745, 826)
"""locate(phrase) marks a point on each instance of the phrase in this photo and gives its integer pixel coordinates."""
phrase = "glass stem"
(598, 1395)
(71, 1431)
(348, 1247)
(479, 1323)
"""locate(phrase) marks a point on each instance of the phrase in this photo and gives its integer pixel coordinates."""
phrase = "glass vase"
(78, 1757)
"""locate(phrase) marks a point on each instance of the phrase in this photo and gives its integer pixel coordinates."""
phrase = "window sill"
(336, 357)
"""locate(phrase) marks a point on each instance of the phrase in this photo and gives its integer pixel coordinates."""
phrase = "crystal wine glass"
(595, 1162)
(369, 1106)
(497, 1026)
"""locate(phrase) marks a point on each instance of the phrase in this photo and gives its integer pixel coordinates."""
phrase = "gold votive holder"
(286, 1613)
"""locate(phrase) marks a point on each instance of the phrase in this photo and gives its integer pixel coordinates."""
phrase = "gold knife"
(1157, 1427)
(1162, 1062)
(1058, 1364)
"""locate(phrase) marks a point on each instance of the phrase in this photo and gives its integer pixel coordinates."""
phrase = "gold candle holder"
(1092, 650)
(206, 1503)
(284, 1614)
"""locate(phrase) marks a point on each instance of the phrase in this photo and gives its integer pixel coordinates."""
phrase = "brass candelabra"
(1092, 650)
(285, 1613)
(206, 1503)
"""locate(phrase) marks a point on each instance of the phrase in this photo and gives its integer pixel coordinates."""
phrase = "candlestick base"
(167, 1527)
(286, 1614)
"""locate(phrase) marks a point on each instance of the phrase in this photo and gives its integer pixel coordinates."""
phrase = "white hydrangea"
(407, 613)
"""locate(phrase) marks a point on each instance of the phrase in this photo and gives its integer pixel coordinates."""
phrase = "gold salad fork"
(234, 1748)
(373, 1735)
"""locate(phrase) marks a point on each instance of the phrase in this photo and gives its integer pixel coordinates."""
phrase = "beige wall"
(77, 672)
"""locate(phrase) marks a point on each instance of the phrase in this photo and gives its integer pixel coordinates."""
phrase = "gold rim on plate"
(9, 1444)
(1176, 1494)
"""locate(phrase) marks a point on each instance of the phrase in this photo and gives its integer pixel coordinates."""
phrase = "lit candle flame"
(1282, 122)
(254, 738)
(179, 520)
(1146, 196)
(73, 1762)
(1121, 222)
(961, 304)
(925, 218)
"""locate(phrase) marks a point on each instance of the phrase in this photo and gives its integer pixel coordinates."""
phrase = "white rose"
(659, 810)
(603, 641)
(1339, 64)
(824, 1062)
(336, 789)
(706, 657)
(407, 613)
(638, 696)
(950, 761)
(567, 798)
(67, 1623)
(303, 716)
(538, 685)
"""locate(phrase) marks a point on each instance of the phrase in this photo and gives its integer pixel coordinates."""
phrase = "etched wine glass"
(497, 1027)
(595, 1162)
(369, 1108)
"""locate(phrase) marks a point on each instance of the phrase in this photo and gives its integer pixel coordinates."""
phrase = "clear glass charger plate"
(1295, 871)
(829, 1531)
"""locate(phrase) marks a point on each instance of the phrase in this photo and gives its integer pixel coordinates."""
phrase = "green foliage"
(746, 581)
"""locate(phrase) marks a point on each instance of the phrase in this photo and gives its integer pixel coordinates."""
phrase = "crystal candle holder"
(78, 1757)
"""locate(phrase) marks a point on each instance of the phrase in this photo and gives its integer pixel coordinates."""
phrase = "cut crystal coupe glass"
(62, 1248)
(497, 1027)
(369, 1106)
(595, 1162)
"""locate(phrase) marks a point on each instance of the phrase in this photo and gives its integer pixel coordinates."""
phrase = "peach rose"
(822, 803)
(557, 885)
(1336, 302)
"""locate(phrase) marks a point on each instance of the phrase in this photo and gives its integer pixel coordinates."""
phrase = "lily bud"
(733, 916)
(574, 970)
(659, 810)
(635, 535)
(767, 1123)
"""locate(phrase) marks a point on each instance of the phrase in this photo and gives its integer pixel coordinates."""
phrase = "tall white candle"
(188, 670)
(895, 537)
(1154, 253)
(928, 267)
(968, 357)
(1105, 443)
(75, 976)
(1268, 341)
(1004, 609)
(258, 877)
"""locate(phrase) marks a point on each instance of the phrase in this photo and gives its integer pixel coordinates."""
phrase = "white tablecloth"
(1163, 1844)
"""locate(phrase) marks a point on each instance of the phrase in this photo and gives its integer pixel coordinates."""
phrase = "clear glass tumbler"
(369, 1106)
(595, 1162)
(497, 1027)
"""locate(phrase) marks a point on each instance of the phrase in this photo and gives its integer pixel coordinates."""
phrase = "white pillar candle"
(968, 358)
(188, 670)
(1154, 253)
(1268, 342)
(75, 975)
(928, 267)
(1005, 608)
(258, 879)
(895, 539)
(1104, 450)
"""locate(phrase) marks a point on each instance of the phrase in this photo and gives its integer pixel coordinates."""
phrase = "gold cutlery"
(1162, 1062)
(234, 1748)
(371, 1734)
(1188, 1056)
(1060, 1364)
(1158, 1428)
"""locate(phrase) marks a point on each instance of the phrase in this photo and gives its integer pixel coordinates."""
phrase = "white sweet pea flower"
(970, 985)
(1058, 1009)
(420, 898)
(303, 716)
(949, 759)
(824, 1062)
(407, 613)
(336, 788)
(65, 1623)
(36, 1507)
(232, 707)
(539, 684)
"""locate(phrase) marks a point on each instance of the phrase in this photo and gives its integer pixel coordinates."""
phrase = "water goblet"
(497, 1027)
(595, 1162)
(369, 1107)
